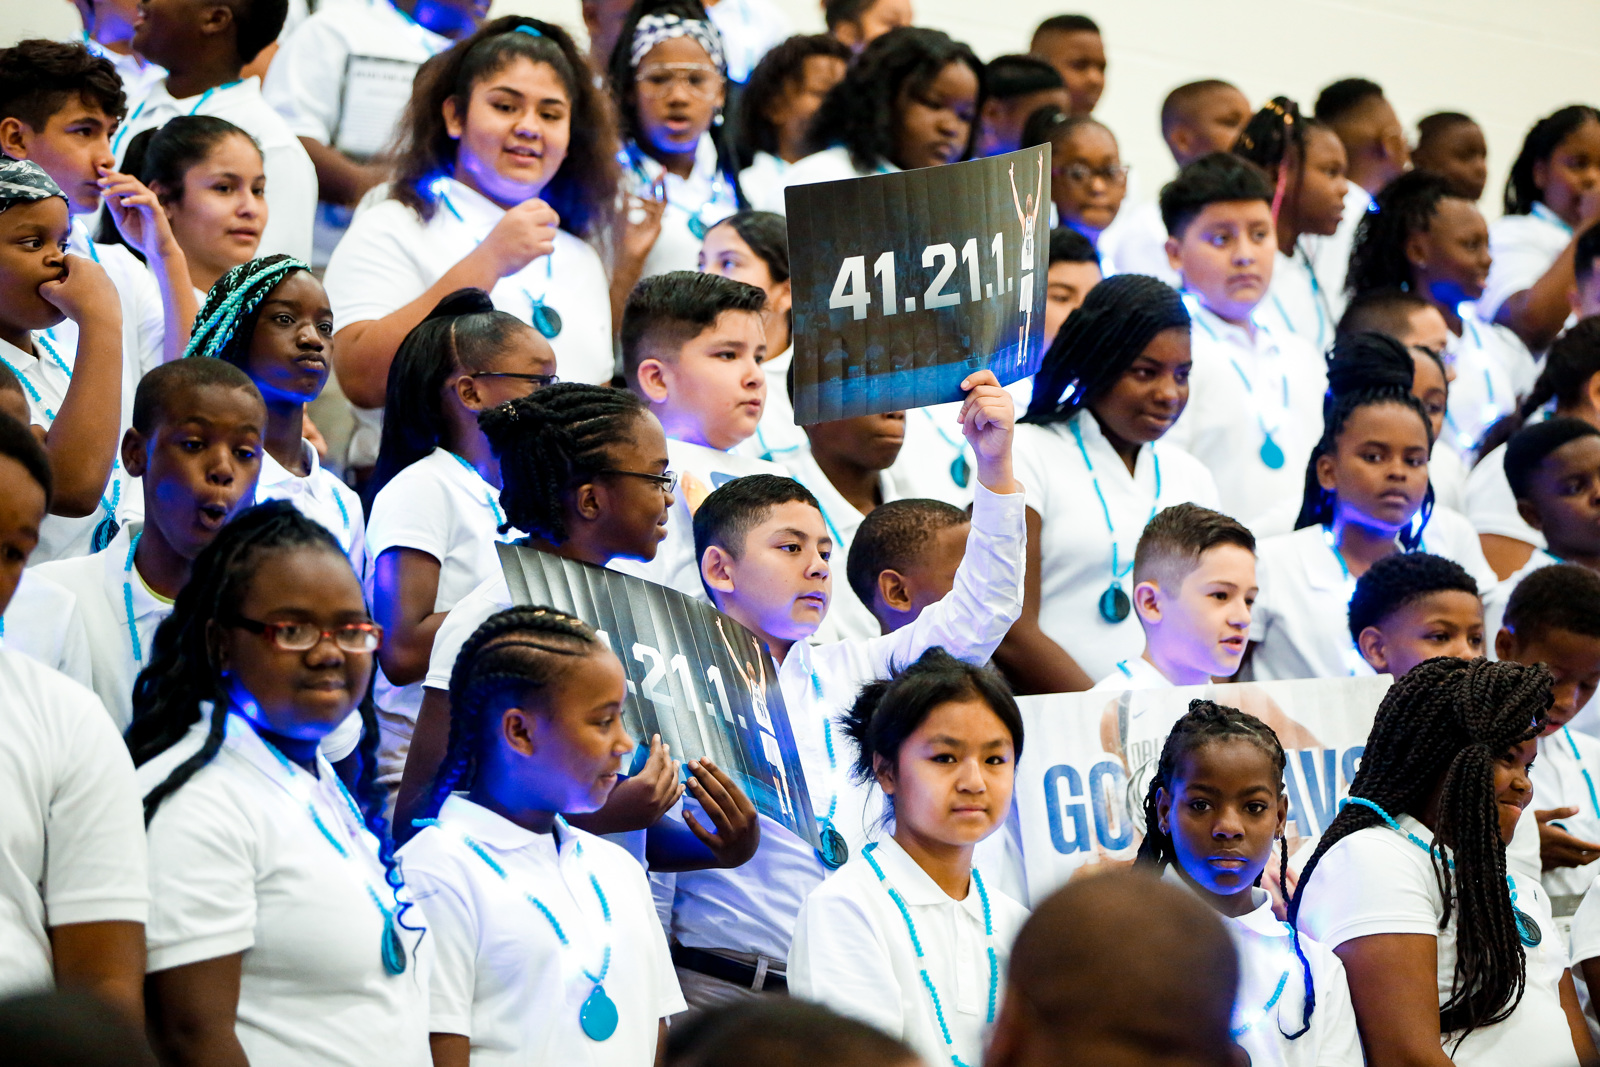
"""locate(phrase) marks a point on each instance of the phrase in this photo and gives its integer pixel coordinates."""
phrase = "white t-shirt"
(705, 197)
(1076, 553)
(1298, 301)
(776, 433)
(1498, 595)
(72, 848)
(502, 976)
(853, 952)
(763, 182)
(291, 179)
(1491, 506)
(829, 165)
(1330, 255)
(1492, 369)
(1448, 476)
(321, 497)
(1586, 927)
(1135, 672)
(1248, 388)
(1524, 247)
(936, 462)
(1564, 776)
(389, 257)
(1376, 881)
(1136, 241)
(238, 865)
(42, 622)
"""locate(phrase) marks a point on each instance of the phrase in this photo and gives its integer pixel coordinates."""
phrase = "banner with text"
(1082, 780)
(905, 283)
(696, 677)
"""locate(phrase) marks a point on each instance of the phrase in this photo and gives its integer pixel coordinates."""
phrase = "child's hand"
(988, 421)
(731, 812)
(138, 214)
(641, 222)
(522, 235)
(640, 801)
(1557, 847)
(84, 292)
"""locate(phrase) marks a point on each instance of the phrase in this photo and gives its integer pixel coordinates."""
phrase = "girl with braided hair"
(270, 318)
(548, 945)
(1111, 385)
(1366, 497)
(280, 930)
(1214, 814)
(1452, 958)
(1306, 161)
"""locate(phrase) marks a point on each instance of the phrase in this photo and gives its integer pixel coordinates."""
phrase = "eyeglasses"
(539, 380)
(355, 637)
(659, 79)
(1079, 173)
(667, 480)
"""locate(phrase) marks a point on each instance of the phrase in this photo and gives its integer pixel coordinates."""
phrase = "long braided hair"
(1275, 140)
(183, 672)
(552, 440)
(1441, 727)
(1365, 370)
(1405, 207)
(228, 318)
(1572, 361)
(514, 653)
(1210, 723)
(1099, 342)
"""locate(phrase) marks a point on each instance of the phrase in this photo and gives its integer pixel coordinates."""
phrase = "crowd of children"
(304, 313)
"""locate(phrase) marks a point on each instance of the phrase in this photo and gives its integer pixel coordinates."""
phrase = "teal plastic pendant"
(1114, 604)
(960, 472)
(1271, 454)
(599, 1015)
(394, 952)
(698, 227)
(834, 851)
(105, 532)
(1528, 931)
(546, 319)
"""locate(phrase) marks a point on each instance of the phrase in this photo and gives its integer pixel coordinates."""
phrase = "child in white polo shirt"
(904, 558)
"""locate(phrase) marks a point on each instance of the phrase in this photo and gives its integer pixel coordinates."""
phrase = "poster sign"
(905, 283)
(1082, 779)
(695, 676)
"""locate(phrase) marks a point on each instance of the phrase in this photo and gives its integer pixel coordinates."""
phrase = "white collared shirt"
(41, 621)
(1491, 506)
(1586, 926)
(1135, 672)
(852, 951)
(763, 181)
(776, 433)
(1448, 476)
(1375, 881)
(320, 497)
(1248, 386)
(1298, 301)
(1330, 254)
(1523, 247)
(750, 29)
(71, 846)
(752, 908)
(1493, 368)
(1136, 241)
(1498, 594)
(1076, 551)
(238, 865)
(138, 76)
(390, 256)
(706, 194)
(291, 179)
(829, 165)
(1566, 774)
(501, 975)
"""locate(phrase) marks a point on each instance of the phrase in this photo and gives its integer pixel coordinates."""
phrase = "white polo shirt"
(1330, 255)
(1076, 552)
(42, 622)
(1448, 476)
(1523, 247)
(1566, 774)
(321, 497)
(1498, 595)
(829, 165)
(750, 29)
(502, 976)
(1249, 387)
(1493, 368)
(1376, 881)
(1586, 928)
(1298, 301)
(390, 256)
(763, 182)
(847, 616)
(752, 909)
(776, 433)
(291, 179)
(1135, 672)
(238, 865)
(138, 76)
(1491, 506)
(72, 848)
(853, 952)
(706, 195)
(1136, 241)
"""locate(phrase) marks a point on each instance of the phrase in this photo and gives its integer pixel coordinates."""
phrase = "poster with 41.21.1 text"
(905, 283)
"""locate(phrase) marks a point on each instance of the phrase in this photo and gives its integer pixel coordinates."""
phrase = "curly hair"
(1541, 142)
(779, 71)
(1401, 579)
(1405, 207)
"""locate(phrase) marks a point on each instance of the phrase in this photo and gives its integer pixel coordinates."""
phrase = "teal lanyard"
(1587, 780)
(108, 506)
(488, 492)
(1118, 572)
(116, 142)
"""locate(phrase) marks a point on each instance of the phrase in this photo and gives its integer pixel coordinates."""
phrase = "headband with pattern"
(653, 29)
(23, 181)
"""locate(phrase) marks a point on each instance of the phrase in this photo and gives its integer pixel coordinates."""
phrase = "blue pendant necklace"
(960, 469)
(834, 850)
(1271, 452)
(1114, 603)
(541, 316)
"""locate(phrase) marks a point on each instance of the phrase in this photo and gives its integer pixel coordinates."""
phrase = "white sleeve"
(411, 512)
(142, 295)
(304, 82)
(291, 201)
(452, 983)
(202, 879)
(1586, 927)
(1517, 264)
(1339, 1042)
(468, 614)
(372, 273)
(1361, 887)
(838, 959)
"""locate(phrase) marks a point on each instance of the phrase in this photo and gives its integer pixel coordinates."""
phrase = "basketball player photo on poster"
(905, 283)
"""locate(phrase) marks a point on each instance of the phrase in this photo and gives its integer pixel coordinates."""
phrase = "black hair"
(38, 77)
(835, 12)
(1406, 206)
(1434, 125)
(53, 1028)
(859, 113)
(152, 397)
(1585, 253)
(183, 671)
(1531, 445)
(1175, 108)
(1400, 580)
(1067, 24)
(227, 320)
(889, 710)
(1571, 362)
(1220, 177)
(726, 517)
(1069, 246)
(160, 158)
(665, 311)
(1044, 124)
(1176, 537)
(892, 537)
(1209, 723)
(1275, 140)
(514, 653)
(1364, 370)
(583, 191)
(1019, 74)
(767, 234)
(779, 71)
(1343, 97)
(779, 1032)
(464, 330)
(1440, 729)
(1537, 147)
(1385, 311)
(1558, 597)
(17, 442)
(1100, 341)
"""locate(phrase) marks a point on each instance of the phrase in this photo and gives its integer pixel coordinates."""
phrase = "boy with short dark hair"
(1376, 153)
(1016, 86)
(1074, 270)
(1202, 117)
(1072, 45)
(1255, 391)
(1195, 580)
(905, 557)
(1413, 606)
(196, 441)
(1452, 146)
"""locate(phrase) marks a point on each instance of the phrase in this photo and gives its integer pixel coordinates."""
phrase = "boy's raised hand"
(989, 421)
(85, 291)
(738, 827)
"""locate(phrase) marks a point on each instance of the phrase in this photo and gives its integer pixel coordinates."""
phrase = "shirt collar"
(1541, 211)
(493, 830)
(1322, 567)
(914, 884)
(464, 203)
(1105, 459)
(116, 558)
(275, 473)
(1218, 328)
(1258, 920)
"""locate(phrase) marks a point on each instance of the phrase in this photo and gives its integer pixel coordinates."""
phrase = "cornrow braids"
(227, 320)
(514, 652)
(1210, 723)
(1405, 207)
(552, 440)
(1099, 342)
(1440, 728)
